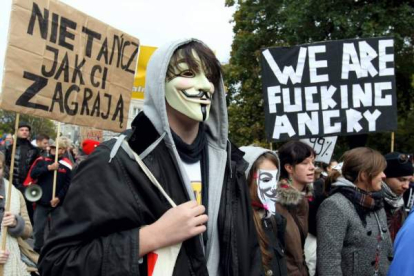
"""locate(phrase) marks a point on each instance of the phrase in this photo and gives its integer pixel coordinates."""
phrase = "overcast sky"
(154, 22)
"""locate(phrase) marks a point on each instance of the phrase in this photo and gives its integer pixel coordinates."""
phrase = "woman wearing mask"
(353, 238)
(297, 172)
(262, 177)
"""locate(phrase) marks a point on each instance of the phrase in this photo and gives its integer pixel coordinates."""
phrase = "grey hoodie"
(251, 153)
(216, 131)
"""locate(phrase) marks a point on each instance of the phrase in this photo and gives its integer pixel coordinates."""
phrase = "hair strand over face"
(185, 53)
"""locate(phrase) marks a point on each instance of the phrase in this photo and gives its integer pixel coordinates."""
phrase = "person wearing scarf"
(398, 174)
(353, 238)
(297, 172)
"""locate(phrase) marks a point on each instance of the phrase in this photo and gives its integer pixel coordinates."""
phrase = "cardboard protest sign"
(91, 133)
(323, 147)
(341, 87)
(65, 65)
(145, 52)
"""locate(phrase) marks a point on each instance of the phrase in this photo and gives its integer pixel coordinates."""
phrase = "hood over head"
(251, 153)
(216, 131)
(155, 103)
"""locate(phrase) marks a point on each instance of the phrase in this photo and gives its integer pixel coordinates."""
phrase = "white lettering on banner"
(344, 96)
(309, 93)
(330, 88)
(315, 64)
(372, 93)
(287, 106)
(327, 121)
(372, 119)
(359, 96)
(379, 100)
(367, 55)
(288, 71)
(305, 121)
(326, 94)
(353, 117)
(272, 98)
(384, 58)
(283, 125)
(350, 60)
(350, 54)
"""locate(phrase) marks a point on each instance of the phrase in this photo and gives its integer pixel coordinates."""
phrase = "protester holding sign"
(353, 238)
(297, 172)
(25, 155)
(120, 222)
(42, 173)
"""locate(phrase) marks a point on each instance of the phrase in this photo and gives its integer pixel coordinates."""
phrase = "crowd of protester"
(28, 222)
(275, 212)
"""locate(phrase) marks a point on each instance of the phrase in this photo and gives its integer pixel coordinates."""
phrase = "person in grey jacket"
(353, 237)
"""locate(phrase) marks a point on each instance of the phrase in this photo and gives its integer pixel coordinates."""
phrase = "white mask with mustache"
(189, 92)
(266, 188)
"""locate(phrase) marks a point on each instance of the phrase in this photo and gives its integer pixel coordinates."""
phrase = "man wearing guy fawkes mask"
(181, 136)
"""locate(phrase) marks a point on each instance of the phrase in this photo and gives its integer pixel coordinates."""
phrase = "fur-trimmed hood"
(287, 195)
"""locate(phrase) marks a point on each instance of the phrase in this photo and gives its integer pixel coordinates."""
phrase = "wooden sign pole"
(56, 161)
(8, 196)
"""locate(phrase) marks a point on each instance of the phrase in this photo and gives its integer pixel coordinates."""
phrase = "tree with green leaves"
(39, 125)
(270, 23)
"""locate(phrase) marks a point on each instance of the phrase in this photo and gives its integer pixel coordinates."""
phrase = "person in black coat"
(24, 158)
(42, 173)
(116, 220)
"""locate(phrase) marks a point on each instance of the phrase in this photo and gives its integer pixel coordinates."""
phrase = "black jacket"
(98, 230)
(275, 227)
(44, 178)
(24, 157)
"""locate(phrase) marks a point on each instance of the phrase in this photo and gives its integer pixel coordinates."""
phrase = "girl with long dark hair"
(262, 177)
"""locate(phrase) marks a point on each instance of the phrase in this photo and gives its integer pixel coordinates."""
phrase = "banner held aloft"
(329, 88)
(64, 65)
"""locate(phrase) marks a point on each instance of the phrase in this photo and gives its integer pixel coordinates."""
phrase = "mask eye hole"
(187, 74)
(265, 178)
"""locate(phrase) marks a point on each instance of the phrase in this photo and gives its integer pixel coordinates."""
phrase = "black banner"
(344, 87)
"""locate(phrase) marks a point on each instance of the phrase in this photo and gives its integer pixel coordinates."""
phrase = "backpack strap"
(29, 180)
(150, 176)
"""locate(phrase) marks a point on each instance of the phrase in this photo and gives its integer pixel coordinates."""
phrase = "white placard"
(323, 147)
